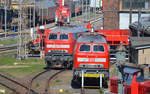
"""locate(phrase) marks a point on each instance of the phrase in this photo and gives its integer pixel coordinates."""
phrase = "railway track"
(90, 91)
(13, 85)
(34, 78)
(47, 76)
(82, 91)
(50, 79)
(8, 48)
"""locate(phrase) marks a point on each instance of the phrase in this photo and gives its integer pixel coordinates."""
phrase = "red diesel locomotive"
(59, 45)
(91, 55)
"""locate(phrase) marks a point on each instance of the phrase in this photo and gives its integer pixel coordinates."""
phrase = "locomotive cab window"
(52, 36)
(64, 37)
(98, 48)
(85, 48)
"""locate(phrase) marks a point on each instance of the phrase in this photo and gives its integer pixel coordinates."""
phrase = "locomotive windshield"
(63, 37)
(52, 36)
(85, 48)
(98, 48)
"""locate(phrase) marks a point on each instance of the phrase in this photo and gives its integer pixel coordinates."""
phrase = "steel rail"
(50, 79)
(35, 77)
(16, 82)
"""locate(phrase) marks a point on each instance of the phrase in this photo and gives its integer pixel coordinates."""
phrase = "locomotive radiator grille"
(58, 51)
(91, 65)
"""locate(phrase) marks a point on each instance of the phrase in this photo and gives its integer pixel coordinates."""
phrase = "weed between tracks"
(5, 60)
(8, 41)
(4, 90)
(26, 67)
(37, 85)
(57, 81)
(19, 68)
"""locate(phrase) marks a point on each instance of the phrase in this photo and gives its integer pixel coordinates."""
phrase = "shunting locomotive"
(132, 81)
(36, 45)
(59, 45)
(91, 59)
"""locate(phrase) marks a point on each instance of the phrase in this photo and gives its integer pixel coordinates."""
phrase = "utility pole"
(30, 10)
(94, 13)
(82, 8)
(20, 30)
(130, 18)
(86, 10)
(42, 13)
(34, 16)
(5, 7)
(139, 17)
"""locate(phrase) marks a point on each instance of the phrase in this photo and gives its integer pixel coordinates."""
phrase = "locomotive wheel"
(105, 83)
(75, 83)
(70, 65)
(67, 65)
(48, 63)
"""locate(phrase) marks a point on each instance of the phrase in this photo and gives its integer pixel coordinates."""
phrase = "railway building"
(140, 50)
(124, 12)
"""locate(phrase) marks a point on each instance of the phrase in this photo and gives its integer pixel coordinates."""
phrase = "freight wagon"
(45, 10)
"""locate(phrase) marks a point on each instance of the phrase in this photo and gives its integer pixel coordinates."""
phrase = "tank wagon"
(91, 58)
(59, 45)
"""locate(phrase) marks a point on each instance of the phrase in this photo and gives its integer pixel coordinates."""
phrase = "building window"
(135, 4)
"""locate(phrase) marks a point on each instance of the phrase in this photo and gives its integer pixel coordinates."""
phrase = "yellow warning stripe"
(91, 75)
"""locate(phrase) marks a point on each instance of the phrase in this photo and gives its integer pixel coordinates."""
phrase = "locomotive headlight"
(100, 59)
(49, 50)
(83, 59)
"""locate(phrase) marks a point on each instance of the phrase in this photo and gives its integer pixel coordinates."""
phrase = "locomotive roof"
(91, 38)
(69, 29)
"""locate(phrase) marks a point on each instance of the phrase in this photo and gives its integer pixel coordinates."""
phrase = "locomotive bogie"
(65, 62)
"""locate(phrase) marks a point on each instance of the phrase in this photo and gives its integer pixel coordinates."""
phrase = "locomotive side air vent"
(91, 65)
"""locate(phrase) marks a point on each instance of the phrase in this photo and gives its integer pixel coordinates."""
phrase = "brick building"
(117, 12)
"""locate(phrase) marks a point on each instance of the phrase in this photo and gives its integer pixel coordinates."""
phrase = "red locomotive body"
(116, 37)
(91, 56)
(59, 45)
